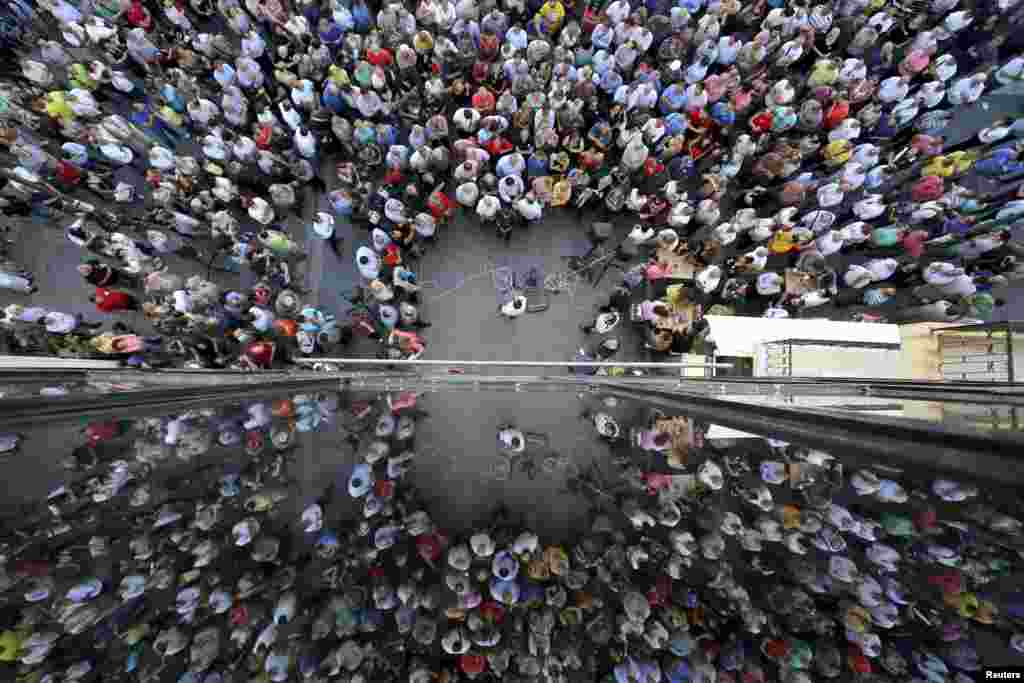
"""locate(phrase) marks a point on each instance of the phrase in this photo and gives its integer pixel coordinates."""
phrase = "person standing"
(101, 274)
(19, 281)
(56, 322)
(323, 227)
(113, 301)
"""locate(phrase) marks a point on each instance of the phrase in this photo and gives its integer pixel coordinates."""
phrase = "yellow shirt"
(170, 116)
(837, 152)
(790, 517)
(947, 165)
(104, 343)
(675, 295)
(782, 242)
(10, 646)
(552, 13)
(57, 107)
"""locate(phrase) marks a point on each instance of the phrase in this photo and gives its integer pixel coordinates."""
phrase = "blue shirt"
(225, 75)
(332, 34)
(875, 297)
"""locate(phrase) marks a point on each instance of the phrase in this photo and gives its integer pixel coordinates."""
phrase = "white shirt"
(292, 117)
(467, 119)
(263, 319)
(83, 103)
(60, 323)
(161, 157)
(940, 273)
(224, 190)
(215, 147)
(121, 82)
(760, 258)
(467, 194)
(249, 73)
(253, 45)
(818, 220)
(488, 206)
(965, 90)
(425, 224)
(854, 233)
(853, 175)
(993, 134)
(182, 301)
(962, 285)
(510, 187)
(867, 155)
(931, 93)
(371, 269)
(866, 209)
(830, 195)
(53, 53)
(512, 439)
(769, 283)
(618, 11)
(514, 308)
(882, 269)
(892, 89)
(829, 243)
(529, 208)
(323, 225)
(857, 277)
(306, 144)
(260, 211)
(36, 72)
(203, 112)
(812, 299)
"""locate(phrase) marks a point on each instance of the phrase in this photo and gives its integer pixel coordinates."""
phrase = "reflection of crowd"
(751, 560)
(750, 140)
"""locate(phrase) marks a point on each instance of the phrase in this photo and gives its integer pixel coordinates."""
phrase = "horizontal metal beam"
(10, 362)
(151, 402)
(913, 443)
(506, 363)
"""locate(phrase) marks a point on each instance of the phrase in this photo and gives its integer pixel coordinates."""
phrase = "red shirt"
(102, 431)
(379, 57)
(109, 301)
(67, 174)
(761, 122)
(913, 243)
(839, 110)
(138, 16)
(264, 137)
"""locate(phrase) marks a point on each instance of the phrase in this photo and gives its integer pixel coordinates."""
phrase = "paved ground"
(459, 296)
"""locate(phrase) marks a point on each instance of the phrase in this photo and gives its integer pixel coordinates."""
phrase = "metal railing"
(778, 355)
(982, 352)
(626, 365)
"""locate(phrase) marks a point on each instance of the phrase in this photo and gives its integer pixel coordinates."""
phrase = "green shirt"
(885, 237)
(982, 305)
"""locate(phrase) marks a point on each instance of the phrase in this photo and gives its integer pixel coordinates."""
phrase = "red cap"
(711, 648)
(857, 661)
(492, 611)
(776, 648)
(429, 547)
(239, 615)
(926, 519)
(472, 664)
(384, 488)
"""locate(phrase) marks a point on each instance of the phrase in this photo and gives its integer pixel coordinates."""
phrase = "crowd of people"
(180, 548)
(780, 157)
